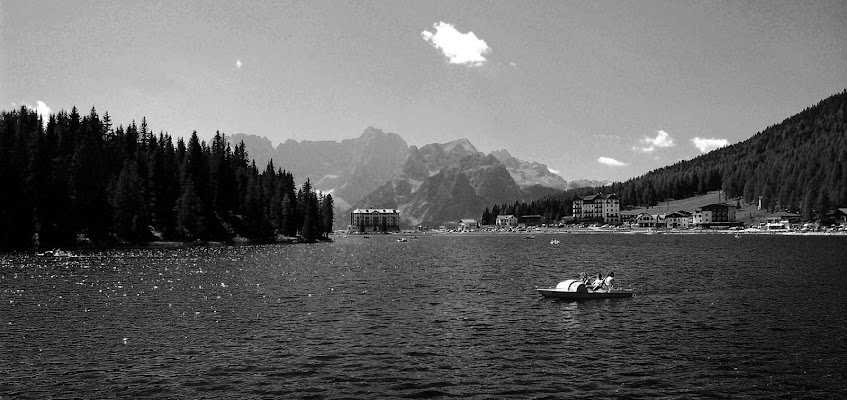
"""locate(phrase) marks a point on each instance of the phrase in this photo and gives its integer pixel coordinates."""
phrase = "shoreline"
(167, 244)
(599, 231)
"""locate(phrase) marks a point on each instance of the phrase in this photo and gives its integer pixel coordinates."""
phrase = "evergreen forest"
(75, 179)
(799, 165)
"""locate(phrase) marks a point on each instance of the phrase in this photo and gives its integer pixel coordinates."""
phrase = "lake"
(438, 316)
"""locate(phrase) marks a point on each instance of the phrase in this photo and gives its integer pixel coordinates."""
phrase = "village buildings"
(783, 220)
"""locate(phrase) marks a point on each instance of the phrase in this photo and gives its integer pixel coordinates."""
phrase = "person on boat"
(609, 282)
(598, 282)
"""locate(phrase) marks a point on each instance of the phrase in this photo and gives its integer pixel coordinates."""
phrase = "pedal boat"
(573, 289)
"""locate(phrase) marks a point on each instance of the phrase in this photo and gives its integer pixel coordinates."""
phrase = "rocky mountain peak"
(463, 144)
(371, 132)
(501, 155)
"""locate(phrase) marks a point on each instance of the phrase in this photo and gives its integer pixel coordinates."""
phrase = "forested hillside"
(799, 165)
(74, 179)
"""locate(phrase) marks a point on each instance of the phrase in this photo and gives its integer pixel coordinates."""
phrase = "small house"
(467, 225)
(506, 221)
(678, 220)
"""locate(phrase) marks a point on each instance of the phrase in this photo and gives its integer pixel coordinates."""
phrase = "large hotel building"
(375, 219)
(605, 207)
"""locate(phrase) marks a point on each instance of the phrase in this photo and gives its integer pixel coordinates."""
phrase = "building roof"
(716, 206)
(506, 216)
(375, 211)
(678, 214)
(467, 221)
(785, 215)
(599, 196)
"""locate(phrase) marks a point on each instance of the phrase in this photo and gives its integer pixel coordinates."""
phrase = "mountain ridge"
(381, 168)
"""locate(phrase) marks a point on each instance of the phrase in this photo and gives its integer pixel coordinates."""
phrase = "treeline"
(799, 165)
(550, 210)
(75, 179)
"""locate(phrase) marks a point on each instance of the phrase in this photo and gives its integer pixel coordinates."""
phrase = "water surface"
(438, 316)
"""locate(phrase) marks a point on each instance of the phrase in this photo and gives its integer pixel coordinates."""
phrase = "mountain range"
(430, 185)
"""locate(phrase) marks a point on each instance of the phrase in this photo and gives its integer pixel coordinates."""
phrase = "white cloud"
(43, 111)
(460, 48)
(238, 64)
(707, 145)
(662, 139)
(513, 65)
(555, 171)
(611, 162)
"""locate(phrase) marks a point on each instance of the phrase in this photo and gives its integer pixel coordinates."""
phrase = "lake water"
(439, 316)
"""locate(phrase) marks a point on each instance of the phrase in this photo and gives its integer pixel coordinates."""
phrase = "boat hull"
(589, 295)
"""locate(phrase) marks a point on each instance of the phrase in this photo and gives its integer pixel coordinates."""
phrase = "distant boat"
(573, 289)
(366, 237)
(55, 253)
(402, 240)
(554, 241)
(529, 237)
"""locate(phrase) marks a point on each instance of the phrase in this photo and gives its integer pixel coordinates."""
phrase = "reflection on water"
(437, 316)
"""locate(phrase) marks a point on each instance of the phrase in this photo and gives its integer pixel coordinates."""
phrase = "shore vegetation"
(69, 179)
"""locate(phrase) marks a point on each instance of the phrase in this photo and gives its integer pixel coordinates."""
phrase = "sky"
(593, 89)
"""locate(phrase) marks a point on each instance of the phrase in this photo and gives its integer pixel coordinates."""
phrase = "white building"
(375, 220)
(646, 220)
(715, 215)
(784, 220)
(506, 221)
(468, 224)
(679, 219)
(605, 207)
(629, 218)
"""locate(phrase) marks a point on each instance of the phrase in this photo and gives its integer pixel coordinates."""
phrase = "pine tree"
(310, 229)
(190, 217)
(125, 202)
(486, 217)
(328, 208)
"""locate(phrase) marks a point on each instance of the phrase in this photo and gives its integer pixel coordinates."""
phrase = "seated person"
(609, 282)
(598, 282)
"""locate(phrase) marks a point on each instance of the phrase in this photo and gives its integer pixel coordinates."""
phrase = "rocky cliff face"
(465, 183)
(259, 149)
(529, 173)
(350, 170)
